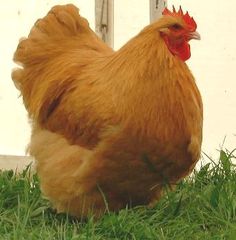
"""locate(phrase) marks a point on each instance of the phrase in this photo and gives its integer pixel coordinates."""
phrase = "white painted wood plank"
(156, 8)
(104, 20)
(16, 163)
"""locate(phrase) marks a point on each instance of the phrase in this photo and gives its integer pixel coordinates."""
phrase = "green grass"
(201, 207)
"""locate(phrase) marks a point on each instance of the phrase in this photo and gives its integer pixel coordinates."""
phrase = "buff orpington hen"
(109, 128)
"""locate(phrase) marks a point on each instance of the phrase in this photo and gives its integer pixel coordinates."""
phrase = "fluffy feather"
(114, 125)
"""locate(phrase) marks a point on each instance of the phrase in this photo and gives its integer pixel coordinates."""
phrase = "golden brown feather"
(118, 125)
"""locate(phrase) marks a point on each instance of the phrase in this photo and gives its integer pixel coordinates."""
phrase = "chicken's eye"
(176, 27)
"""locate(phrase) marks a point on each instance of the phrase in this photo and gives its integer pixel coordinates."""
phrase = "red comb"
(187, 19)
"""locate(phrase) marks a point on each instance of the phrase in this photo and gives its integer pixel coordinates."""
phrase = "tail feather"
(52, 34)
(51, 53)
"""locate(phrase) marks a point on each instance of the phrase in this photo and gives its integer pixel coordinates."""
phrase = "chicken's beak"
(194, 35)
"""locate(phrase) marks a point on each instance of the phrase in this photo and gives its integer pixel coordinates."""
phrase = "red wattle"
(183, 51)
(178, 48)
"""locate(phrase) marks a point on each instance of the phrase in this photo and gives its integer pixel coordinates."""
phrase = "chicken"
(109, 128)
